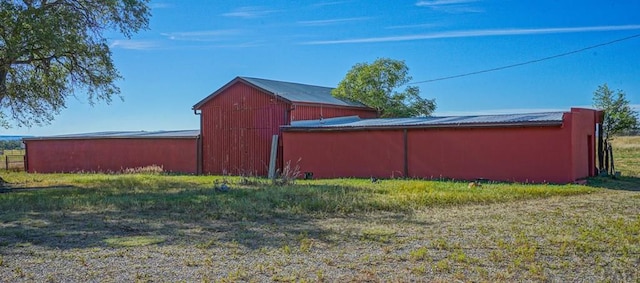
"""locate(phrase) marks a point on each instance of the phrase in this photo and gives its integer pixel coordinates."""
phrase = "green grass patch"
(626, 153)
(193, 197)
(318, 230)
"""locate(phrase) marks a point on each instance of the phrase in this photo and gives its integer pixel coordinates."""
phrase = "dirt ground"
(591, 237)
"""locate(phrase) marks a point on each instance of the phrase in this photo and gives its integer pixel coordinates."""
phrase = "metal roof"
(125, 135)
(354, 122)
(293, 92)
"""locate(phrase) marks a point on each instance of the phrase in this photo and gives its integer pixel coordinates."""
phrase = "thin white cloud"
(133, 44)
(474, 33)
(323, 4)
(451, 6)
(249, 12)
(207, 35)
(412, 26)
(331, 21)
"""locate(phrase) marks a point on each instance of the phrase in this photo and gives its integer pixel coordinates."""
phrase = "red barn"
(238, 121)
(336, 138)
(557, 147)
(175, 151)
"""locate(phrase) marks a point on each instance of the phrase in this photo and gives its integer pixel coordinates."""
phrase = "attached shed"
(175, 151)
(556, 147)
(239, 120)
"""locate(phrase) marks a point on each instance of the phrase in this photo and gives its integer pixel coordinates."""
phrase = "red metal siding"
(557, 154)
(583, 140)
(346, 154)
(238, 124)
(315, 112)
(237, 127)
(104, 155)
(540, 154)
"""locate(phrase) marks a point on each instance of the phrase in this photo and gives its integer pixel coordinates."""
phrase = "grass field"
(96, 227)
(14, 158)
(627, 155)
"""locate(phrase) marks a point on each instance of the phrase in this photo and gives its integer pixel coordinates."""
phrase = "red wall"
(556, 154)
(583, 141)
(237, 126)
(104, 155)
(532, 154)
(346, 154)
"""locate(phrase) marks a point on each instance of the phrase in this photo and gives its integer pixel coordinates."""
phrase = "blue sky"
(194, 47)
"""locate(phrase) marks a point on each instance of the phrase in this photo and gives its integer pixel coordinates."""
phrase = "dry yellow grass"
(15, 158)
(626, 153)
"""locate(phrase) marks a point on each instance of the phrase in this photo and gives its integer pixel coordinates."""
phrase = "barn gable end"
(239, 120)
(237, 126)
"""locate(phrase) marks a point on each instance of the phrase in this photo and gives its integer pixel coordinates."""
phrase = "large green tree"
(618, 114)
(52, 49)
(376, 85)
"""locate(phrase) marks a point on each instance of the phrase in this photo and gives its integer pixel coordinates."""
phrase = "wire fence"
(12, 160)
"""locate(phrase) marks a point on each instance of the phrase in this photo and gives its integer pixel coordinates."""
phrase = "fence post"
(6, 162)
(272, 157)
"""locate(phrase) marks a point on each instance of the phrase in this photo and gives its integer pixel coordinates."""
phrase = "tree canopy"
(618, 114)
(49, 49)
(376, 85)
(10, 144)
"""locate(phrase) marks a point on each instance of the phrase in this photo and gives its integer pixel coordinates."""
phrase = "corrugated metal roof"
(124, 135)
(296, 92)
(293, 92)
(546, 118)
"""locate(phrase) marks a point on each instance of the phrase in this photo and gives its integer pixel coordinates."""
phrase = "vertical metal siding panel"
(346, 154)
(459, 153)
(103, 155)
(238, 140)
(531, 154)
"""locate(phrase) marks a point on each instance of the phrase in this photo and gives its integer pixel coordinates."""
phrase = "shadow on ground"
(626, 183)
(182, 214)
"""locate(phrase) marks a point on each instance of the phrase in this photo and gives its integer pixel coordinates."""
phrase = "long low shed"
(556, 147)
(175, 151)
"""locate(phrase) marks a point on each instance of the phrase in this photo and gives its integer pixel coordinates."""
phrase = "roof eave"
(198, 105)
(303, 103)
(400, 127)
(109, 138)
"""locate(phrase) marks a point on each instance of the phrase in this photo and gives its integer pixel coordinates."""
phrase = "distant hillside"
(12, 138)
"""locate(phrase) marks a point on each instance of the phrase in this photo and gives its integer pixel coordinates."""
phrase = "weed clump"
(150, 170)
(288, 175)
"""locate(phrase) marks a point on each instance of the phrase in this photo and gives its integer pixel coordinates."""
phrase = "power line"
(527, 62)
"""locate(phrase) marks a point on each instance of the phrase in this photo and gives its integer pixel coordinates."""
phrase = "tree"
(49, 49)
(618, 114)
(375, 85)
(10, 144)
